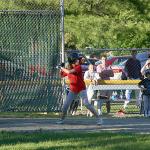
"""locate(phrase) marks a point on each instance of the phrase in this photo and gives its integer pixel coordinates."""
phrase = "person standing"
(105, 72)
(77, 86)
(145, 67)
(133, 72)
(93, 76)
(145, 87)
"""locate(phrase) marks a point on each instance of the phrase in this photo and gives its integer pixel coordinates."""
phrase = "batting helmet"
(73, 57)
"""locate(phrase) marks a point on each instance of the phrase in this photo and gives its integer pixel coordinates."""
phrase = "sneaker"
(74, 113)
(61, 121)
(91, 115)
(145, 115)
(99, 121)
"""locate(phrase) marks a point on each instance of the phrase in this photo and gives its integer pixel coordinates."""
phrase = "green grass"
(73, 140)
(131, 111)
(28, 115)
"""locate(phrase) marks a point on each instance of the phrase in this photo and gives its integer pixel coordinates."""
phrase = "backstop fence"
(30, 49)
(122, 92)
(30, 43)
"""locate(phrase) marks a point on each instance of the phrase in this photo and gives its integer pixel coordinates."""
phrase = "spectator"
(83, 64)
(145, 87)
(77, 86)
(105, 72)
(93, 76)
(133, 72)
(145, 67)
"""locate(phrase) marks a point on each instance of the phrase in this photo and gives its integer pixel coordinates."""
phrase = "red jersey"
(77, 83)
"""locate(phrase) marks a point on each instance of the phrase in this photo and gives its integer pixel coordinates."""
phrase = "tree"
(97, 23)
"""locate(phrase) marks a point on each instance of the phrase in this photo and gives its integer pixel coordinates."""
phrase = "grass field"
(73, 140)
(65, 140)
(131, 111)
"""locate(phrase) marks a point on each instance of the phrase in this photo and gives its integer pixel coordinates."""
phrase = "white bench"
(115, 87)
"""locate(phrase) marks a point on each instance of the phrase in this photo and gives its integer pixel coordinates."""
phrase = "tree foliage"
(98, 23)
(110, 24)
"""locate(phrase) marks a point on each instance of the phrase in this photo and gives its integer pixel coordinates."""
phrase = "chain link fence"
(30, 50)
(30, 43)
(125, 94)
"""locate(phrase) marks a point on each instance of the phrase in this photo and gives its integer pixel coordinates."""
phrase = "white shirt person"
(93, 76)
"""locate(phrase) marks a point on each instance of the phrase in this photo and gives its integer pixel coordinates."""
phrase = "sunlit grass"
(73, 140)
(28, 115)
(131, 111)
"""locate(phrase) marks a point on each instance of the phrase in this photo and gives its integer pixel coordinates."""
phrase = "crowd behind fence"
(29, 53)
(124, 93)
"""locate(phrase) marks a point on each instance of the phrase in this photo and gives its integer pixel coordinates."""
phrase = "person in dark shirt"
(133, 67)
(145, 87)
(133, 72)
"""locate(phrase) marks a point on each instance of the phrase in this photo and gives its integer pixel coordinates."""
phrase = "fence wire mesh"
(125, 95)
(29, 52)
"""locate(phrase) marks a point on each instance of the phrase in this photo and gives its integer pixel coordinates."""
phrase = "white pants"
(137, 95)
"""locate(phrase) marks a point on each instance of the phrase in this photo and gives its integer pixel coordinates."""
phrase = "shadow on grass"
(77, 140)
